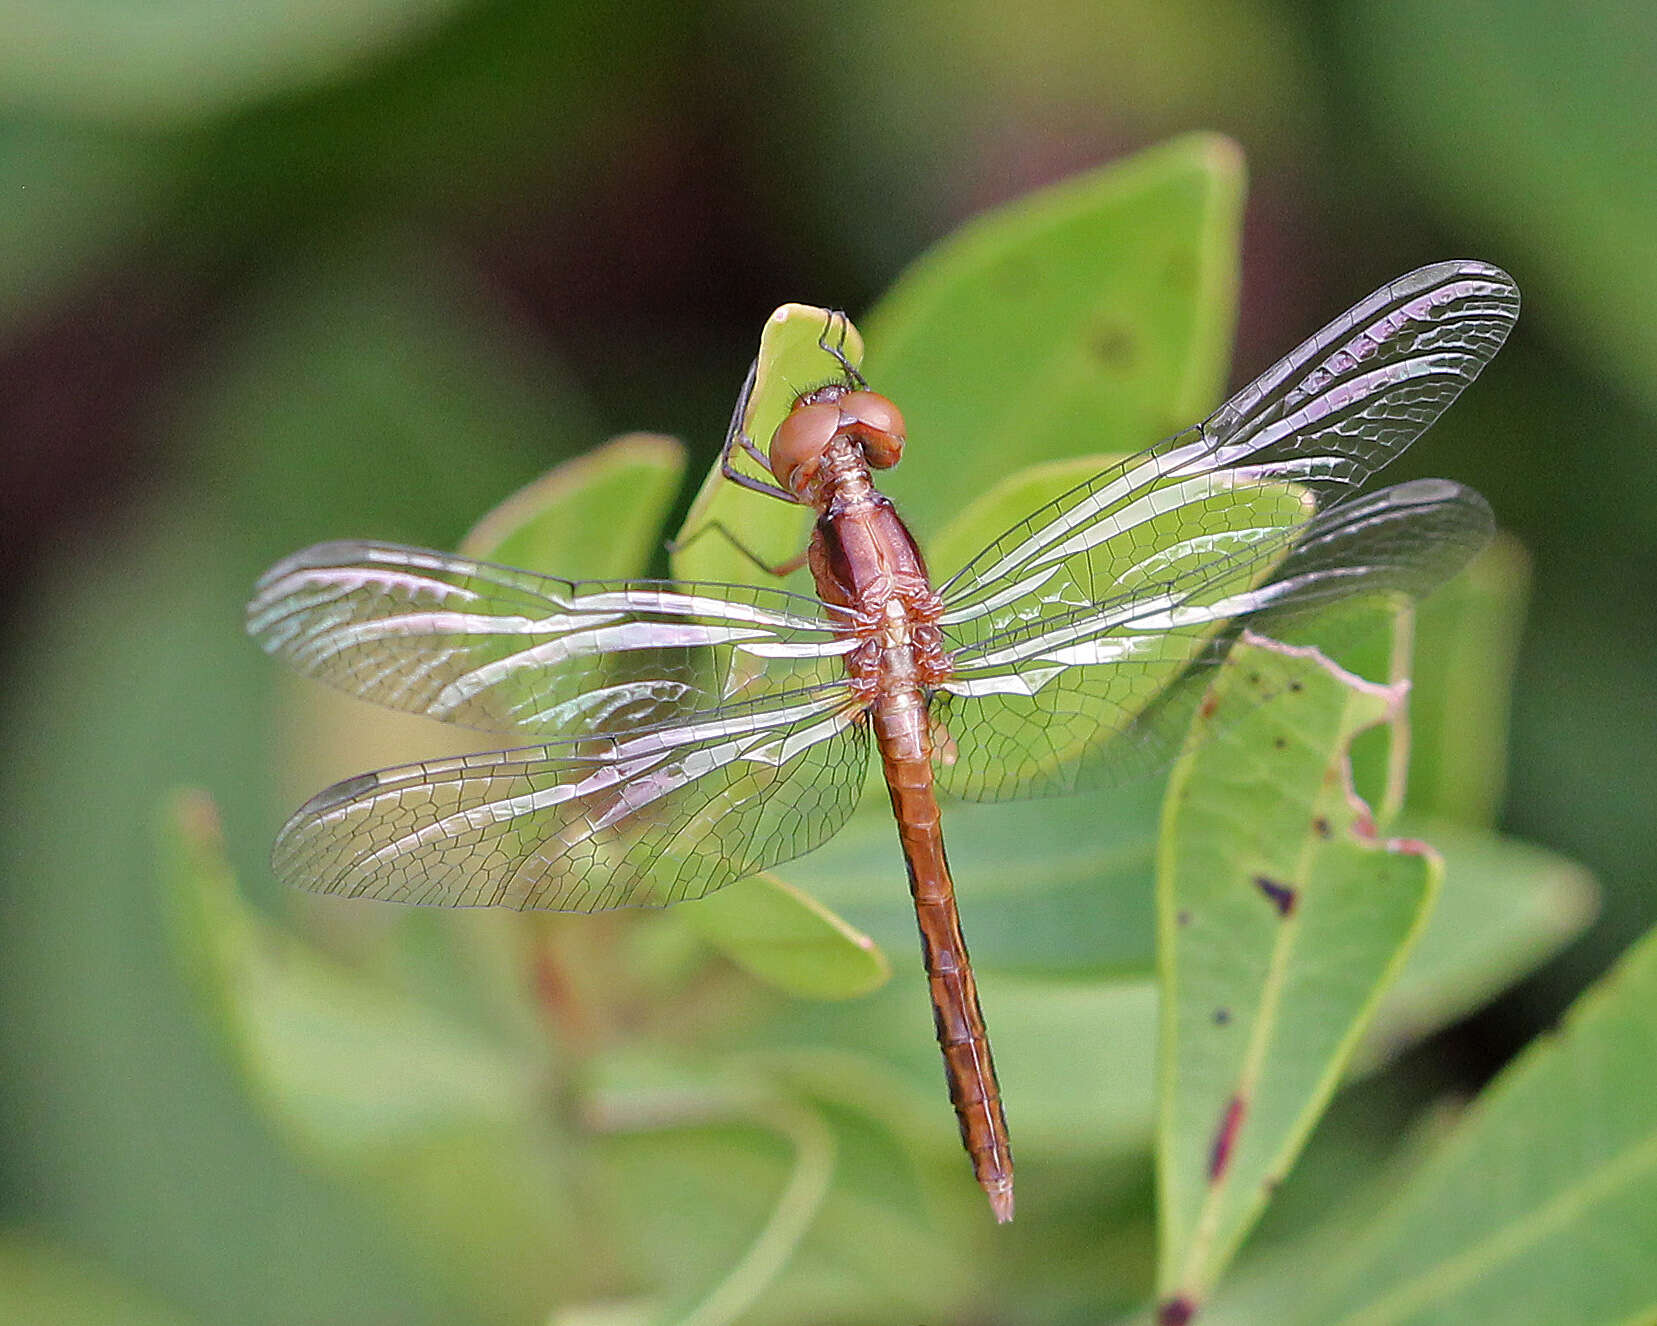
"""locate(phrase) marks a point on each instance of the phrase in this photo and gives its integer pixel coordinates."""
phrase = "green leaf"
(772, 1222)
(407, 370)
(1504, 909)
(1062, 888)
(40, 1283)
(1281, 917)
(783, 936)
(790, 362)
(798, 1181)
(1180, 538)
(1060, 885)
(773, 930)
(1361, 1154)
(179, 59)
(74, 196)
(1092, 350)
(446, 1131)
(1484, 99)
(1009, 500)
(1540, 1207)
(596, 517)
(1466, 648)
(347, 1067)
(384, 342)
(1093, 316)
(1076, 1061)
(1062, 1103)
(456, 1141)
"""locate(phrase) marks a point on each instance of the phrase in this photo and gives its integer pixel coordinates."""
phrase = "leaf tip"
(1220, 154)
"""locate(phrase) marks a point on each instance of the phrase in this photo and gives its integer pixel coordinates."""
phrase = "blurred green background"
(287, 270)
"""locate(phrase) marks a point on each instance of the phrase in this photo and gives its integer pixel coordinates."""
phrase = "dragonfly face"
(677, 737)
(818, 418)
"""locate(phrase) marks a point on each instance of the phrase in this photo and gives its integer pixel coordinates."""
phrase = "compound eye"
(798, 444)
(877, 424)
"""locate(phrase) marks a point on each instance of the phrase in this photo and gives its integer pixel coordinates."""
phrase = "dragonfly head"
(820, 418)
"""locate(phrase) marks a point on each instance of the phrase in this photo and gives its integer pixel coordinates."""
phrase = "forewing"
(1103, 694)
(641, 819)
(1079, 629)
(1324, 418)
(502, 650)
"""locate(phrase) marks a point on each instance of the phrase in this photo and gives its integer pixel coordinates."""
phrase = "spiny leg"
(778, 569)
(838, 350)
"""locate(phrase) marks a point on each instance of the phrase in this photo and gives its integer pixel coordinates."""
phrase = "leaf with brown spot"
(1293, 932)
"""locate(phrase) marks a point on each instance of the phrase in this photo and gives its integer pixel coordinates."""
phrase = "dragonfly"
(681, 736)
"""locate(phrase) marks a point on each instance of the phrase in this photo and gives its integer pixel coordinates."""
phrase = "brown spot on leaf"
(1222, 1016)
(1175, 1311)
(1114, 346)
(1219, 1155)
(1283, 896)
(1320, 826)
(1184, 918)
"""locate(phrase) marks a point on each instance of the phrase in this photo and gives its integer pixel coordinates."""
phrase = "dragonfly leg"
(778, 569)
(838, 350)
(735, 437)
(748, 481)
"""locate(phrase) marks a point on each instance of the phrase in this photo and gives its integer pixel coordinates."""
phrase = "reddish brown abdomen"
(900, 729)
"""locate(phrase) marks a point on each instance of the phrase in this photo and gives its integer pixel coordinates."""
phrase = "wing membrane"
(1324, 418)
(1105, 694)
(640, 819)
(710, 730)
(1075, 635)
(509, 651)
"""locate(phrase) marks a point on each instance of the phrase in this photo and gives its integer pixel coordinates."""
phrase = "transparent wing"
(1079, 636)
(509, 651)
(1105, 694)
(641, 819)
(1312, 427)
